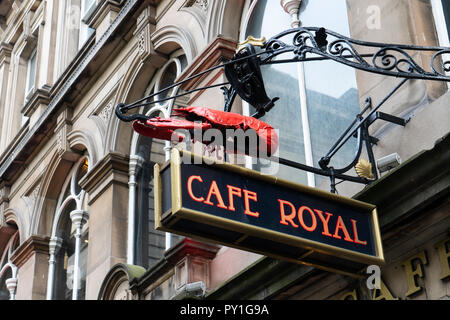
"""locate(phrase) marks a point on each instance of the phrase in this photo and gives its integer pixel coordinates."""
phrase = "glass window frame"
(31, 76)
(304, 104)
(442, 23)
(164, 110)
(86, 7)
(69, 195)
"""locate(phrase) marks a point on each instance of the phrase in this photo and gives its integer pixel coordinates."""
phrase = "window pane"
(64, 256)
(87, 4)
(82, 170)
(332, 95)
(446, 9)
(4, 292)
(31, 72)
(281, 80)
(167, 79)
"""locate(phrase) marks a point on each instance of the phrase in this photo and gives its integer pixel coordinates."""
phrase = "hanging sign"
(237, 207)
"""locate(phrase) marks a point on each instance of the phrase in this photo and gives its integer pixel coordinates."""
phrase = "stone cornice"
(40, 96)
(101, 11)
(34, 244)
(5, 52)
(409, 188)
(113, 168)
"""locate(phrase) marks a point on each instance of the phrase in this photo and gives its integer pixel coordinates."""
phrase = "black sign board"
(241, 208)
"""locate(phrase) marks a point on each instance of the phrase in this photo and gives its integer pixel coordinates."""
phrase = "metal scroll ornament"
(306, 44)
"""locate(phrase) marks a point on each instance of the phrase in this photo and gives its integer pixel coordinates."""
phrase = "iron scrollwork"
(305, 44)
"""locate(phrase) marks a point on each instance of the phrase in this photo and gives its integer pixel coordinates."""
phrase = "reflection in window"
(331, 93)
(85, 31)
(31, 73)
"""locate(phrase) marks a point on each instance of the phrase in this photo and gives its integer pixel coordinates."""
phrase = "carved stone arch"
(116, 283)
(49, 192)
(12, 220)
(133, 84)
(224, 19)
(80, 141)
(172, 37)
(131, 88)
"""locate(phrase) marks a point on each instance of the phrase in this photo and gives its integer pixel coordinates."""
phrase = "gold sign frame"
(178, 212)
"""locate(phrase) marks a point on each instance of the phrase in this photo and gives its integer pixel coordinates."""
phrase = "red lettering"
(325, 232)
(290, 217)
(300, 218)
(214, 190)
(341, 226)
(233, 191)
(189, 188)
(250, 195)
(355, 233)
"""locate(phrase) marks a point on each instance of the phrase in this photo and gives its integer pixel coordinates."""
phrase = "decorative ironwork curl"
(351, 52)
(313, 44)
(445, 65)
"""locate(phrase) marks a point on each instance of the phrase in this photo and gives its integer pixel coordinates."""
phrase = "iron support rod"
(332, 152)
(318, 171)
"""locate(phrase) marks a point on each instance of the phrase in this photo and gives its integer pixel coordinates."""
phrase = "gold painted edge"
(377, 234)
(175, 171)
(157, 195)
(179, 211)
(269, 254)
(194, 215)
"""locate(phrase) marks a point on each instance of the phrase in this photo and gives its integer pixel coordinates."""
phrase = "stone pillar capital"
(292, 7)
(54, 245)
(11, 285)
(136, 163)
(79, 217)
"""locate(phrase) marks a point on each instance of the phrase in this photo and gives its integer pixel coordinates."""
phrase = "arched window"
(69, 239)
(317, 99)
(8, 271)
(150, 244)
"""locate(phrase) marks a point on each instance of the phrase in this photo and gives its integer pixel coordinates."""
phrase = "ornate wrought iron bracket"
(306, 44)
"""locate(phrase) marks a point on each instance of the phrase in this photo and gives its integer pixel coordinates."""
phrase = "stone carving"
(105, 114)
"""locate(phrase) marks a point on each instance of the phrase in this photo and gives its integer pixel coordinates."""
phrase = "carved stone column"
(135, 166)
(11, 285)
(32, 261)
(292, 8)
(53, 247)
(79, 218)
(107, 186)
(145, 26)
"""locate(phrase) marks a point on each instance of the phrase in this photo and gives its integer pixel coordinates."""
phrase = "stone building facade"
(76, 184)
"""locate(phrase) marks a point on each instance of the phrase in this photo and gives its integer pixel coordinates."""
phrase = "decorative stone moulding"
(292, 7)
